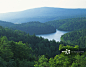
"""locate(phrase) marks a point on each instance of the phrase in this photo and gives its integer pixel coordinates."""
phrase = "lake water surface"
(56, 36)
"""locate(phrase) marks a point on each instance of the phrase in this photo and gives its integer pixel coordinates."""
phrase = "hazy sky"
(19, 5)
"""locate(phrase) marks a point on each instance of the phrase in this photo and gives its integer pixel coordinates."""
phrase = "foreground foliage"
(18, 54)
(18, 49)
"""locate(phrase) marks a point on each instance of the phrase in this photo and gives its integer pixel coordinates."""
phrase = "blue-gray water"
(56, 36)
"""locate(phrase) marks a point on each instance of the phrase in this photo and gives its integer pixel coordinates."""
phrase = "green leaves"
(3, 63)
(42, 62)
(3, 39)
(11, 63)
(80, 60)
(25, 63)
(60, 46)
(5, 51)
(51, 62)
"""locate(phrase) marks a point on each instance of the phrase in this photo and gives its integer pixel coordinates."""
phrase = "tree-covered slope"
(35, 28)
(63, 60)
(6, 24)
(75, 37)
(69, 24)
(18, 49)
(18, 54)
(30, 27)
(74, 24)
(38, 44)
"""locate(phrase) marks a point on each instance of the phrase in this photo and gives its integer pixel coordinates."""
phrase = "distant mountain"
(42, 14)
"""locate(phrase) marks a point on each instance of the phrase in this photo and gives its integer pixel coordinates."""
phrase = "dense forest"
(75, 37)
(33, 27)
(6, 24)
(71, 24)
(19, 49)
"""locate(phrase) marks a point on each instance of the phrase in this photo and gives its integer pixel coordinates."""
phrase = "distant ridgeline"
(30, 27)
(42, 14)
(69, 24)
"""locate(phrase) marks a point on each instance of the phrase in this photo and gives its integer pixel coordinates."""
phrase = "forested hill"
(75, 37)
(18, 49)
(30, 27)
(69, 24)
(6, 24)
(35, 28)
(38, 44)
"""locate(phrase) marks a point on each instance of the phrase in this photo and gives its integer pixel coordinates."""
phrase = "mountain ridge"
(43, 13)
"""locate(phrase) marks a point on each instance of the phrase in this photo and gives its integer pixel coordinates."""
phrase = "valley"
(59, 28)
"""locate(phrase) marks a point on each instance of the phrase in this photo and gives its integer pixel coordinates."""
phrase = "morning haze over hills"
(42, 14)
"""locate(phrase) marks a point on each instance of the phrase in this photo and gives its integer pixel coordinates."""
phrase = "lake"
(56, 36)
